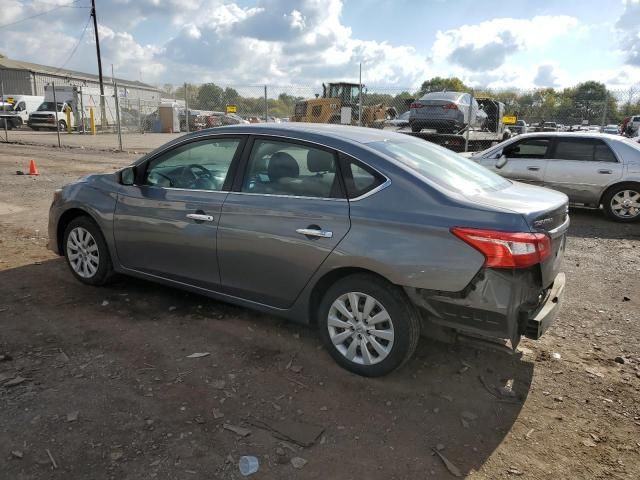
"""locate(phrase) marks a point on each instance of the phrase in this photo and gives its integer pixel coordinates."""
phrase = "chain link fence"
(462, 121)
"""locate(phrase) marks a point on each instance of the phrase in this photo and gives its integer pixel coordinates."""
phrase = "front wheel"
(368, 325)
(86, 252)
(63, 125)
(622, 202)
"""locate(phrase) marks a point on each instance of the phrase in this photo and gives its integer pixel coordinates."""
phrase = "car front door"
(166, 224)
(285, 215)
(582, 168)
(527, 160)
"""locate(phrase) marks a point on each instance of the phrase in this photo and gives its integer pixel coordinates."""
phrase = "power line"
(73, 51)
(69, 5)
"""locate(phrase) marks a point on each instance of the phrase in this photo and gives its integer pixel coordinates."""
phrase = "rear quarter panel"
(402, 233)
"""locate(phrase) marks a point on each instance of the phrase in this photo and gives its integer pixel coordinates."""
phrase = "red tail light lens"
(506, 249)
(415, 105)
(450, 106)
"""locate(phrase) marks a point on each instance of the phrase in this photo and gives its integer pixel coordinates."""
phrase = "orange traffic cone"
(33, 168)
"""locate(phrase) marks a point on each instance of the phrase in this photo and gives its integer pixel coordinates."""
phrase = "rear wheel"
(62, 124)
(622, 202)
(86, 252)
(415, 128)
(368, 325)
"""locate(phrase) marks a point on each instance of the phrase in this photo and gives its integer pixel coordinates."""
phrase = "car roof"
(582, 134)
(361, 135)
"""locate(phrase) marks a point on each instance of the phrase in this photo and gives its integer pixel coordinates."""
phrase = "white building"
(23, 78)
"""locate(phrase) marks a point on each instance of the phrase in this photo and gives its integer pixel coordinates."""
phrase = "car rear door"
(285, 215)
(582, 168)
(166, 224)
(527, 160)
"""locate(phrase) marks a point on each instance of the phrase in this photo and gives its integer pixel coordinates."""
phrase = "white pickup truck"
(79, 101)
(15, 109)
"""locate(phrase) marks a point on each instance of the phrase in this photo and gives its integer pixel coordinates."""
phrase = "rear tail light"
(450, 106)
(416, 105)
(506, 249)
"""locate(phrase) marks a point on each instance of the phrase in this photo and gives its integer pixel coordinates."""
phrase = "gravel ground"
(95, 383)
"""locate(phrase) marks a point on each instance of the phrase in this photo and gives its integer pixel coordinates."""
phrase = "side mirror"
(128, 176)
(502, 161)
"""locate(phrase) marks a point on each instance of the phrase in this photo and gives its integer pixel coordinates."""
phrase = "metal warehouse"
(24, 78)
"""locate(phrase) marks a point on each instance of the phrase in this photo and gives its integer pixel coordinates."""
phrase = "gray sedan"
(446, 112)
(373, 236)
(593, 169)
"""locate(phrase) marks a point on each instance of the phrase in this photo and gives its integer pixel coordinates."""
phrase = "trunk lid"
(544, 210)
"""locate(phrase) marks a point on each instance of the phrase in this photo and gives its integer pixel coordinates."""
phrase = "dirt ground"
(95, 383)
(131, 141)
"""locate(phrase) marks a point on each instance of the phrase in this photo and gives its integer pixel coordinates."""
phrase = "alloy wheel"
(360, 328)
(83, 253)
(626, 204)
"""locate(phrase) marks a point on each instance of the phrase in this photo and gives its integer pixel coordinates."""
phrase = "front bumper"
(501, 304)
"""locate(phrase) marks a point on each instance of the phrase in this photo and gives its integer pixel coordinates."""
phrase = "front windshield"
(48, 107)
(441, 166)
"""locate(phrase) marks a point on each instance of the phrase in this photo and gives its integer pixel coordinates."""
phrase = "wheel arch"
(616, 185)
(328, 279)
(65, 219)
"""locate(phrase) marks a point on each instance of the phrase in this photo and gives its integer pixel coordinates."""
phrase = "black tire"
(104, 271)
(63, 125)
(415, 128)
(404, 320)
(608, 197)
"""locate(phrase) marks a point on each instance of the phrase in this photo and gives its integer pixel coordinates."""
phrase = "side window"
(359, 178)
(530, 148)
(21, 106)
(199, 165)
(283, 168)
(603, 153)
(587, 150)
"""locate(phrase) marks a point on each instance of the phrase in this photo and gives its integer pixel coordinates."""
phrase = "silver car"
(446, 112)
(372, 236)
(593, 169)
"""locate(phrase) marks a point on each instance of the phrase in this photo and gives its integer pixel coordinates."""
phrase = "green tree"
(210, 97)
(191, 96)
(437, 84)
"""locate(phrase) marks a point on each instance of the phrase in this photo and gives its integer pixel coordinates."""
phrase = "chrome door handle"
(313, 232)
(200, 217)
(605, 172)
(533, 169)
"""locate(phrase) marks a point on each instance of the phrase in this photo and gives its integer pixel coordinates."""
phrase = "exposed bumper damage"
(499, 304)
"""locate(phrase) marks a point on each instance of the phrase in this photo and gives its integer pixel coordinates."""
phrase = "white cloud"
(486, 45)
(546, 76)
(628, 27)
(305, 42)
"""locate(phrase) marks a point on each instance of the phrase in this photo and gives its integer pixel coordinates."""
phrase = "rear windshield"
(441, 166)
(441, 96)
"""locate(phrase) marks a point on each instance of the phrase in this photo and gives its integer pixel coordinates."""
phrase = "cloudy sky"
(524, 43)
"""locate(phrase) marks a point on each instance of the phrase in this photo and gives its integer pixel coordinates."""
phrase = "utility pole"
(95, 28)
(360, 102)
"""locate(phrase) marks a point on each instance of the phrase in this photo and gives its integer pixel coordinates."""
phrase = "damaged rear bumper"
(500, 304)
